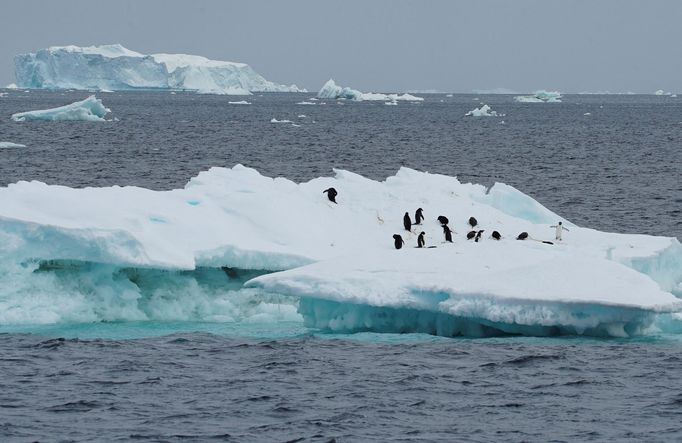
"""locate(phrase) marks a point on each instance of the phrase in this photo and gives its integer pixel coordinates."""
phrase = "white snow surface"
(90, 109)
(343, 253)
(483, 111)
(331, 90)
(540, 96)
(114, 67)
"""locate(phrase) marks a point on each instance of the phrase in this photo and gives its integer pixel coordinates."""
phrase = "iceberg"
(540, 96)
(483, 111)
(331, 90)
(241, 102)
(116, 68)
(90, 109)
(233, 235)
(11, 145)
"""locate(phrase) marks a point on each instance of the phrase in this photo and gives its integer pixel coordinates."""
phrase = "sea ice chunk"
(89, 109)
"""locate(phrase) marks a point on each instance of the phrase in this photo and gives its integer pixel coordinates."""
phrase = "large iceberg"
(90, 109)
(540, 96)
(128, 253)
(331, 90)
(114, 67)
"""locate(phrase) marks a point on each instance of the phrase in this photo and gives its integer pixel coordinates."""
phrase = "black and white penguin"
(407, 223)
(331, 194)
(448, 233)
(496, 235)
(473, 222)
(522, 236)
(418, 217)
(478, 235)
(471, 234)
(398, 241)
(420, 240)
(443, 220)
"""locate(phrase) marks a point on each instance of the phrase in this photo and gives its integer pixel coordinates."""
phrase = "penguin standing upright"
(398, 241)
(418, 217)
(448, 233)
(420, 240)
(559, 230)
(496, 235)
(331, 194)
(443, 220)
(407, 223)
(473, 222)
(478, 236)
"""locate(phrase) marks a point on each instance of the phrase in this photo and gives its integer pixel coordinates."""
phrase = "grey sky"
(387, 45)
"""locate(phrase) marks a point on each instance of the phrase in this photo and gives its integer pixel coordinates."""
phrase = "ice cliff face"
(114, 67)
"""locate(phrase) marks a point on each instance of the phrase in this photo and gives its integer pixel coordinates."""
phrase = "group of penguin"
(443, 220)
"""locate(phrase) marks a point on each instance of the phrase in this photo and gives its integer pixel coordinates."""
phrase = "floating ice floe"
(274, 120)
(242, 102)
(12, 86)
(114, 67)
(540, 96)
(305, 103)
(333, 91)
(11, 145)
(128, 253)
(483, 111)
(91, 109)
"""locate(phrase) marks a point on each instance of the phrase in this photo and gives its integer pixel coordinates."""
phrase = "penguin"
(331, 194)
(420, 240)
(473, 222)
(448, 233)
(496, 235)
(522, 236)
(398, 241)
(407, 223)
(418, 217)
(443, 220)
(471, 235)
(478, 235)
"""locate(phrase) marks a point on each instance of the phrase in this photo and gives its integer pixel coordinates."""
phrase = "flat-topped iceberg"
(331, 90)
(540, 96)
(131, 249)
(114, 67)
(90, 109)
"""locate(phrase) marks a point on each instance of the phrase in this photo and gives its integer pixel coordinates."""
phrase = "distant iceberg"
(331, 90)
(540, 96)
(4, 145)
(114, 67)
(483, 111)
(91, 109)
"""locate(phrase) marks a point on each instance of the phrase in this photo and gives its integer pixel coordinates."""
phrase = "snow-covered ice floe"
(483, 111)
(11, 145)
(241, 102)
(90, 109)
(114, 67)
(274, 120)
(331, 90)
(232, 236)
(540, 96)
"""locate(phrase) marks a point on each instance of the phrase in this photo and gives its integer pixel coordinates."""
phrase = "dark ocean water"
(617, 169)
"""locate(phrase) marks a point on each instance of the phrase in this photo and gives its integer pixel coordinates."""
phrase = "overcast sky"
(391, 45)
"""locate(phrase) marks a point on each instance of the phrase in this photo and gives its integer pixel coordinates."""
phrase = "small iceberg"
(483, 111)
(242, 102)
(91, 110)
(540, 96)
(274, 120)
(4, 145)
(305, 103)
(333, 91)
